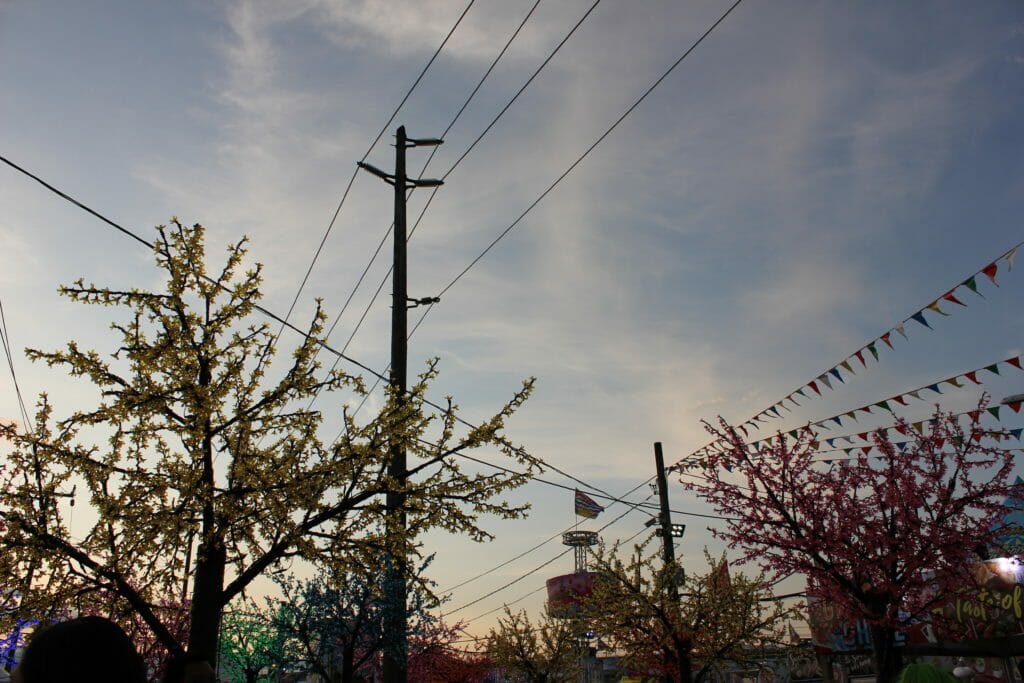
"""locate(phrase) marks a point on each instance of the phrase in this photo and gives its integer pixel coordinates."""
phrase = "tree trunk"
(348, 655)
(206, 602)
(825, 664)
(888, 657)
(685, 668)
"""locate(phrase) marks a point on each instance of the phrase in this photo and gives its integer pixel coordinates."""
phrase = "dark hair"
(83, 650)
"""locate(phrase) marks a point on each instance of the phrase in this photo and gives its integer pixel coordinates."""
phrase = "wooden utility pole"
(395, 584)
(668, 548)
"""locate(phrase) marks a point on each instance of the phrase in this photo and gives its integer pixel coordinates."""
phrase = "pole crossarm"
(390, 179)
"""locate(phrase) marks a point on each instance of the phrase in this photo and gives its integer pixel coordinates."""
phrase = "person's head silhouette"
(83, 650)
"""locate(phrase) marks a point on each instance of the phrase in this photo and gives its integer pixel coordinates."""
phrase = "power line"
(591, 490)
(152, 246)
(587, 152)
(322, 344)
(387, 233)
(572, 167)
(546, 541)
(5, 338)
(524, 86)
(434, 192)
(506, 562)
(558, 180)
(344, 196)
(538, 568)
(520, 599)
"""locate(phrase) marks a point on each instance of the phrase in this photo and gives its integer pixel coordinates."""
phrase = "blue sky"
(811, 175)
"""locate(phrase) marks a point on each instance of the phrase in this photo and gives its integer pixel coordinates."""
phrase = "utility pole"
(397, 591)
(668, 531)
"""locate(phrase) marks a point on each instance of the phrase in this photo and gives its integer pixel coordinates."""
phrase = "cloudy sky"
(812, 175)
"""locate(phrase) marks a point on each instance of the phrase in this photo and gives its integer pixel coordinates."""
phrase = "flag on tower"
(586, 507)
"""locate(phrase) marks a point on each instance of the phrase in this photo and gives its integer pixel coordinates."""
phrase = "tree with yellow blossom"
(718, 618)
(197, 434)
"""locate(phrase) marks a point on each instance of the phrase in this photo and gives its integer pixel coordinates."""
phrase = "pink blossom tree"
(881, 538)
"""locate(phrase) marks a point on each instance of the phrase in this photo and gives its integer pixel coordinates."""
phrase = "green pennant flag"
(994, 368)
(972, 285)
(874, 352)
(793, 434)
(995, 412)
(884, 405)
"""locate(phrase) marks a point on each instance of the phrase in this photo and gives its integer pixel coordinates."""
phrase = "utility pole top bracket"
(386, 177)
(423, 142)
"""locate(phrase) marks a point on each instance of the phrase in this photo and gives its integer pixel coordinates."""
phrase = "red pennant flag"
(885, 338)
(974, 415)
(902, 429)
(972, 375)
(899, 399)
(1015, 362)
(865, 449)
(814, 385)
(860, 357)
(940, 442)
(990, 271)
(863, 436)
(950, 297)
(1015, 406)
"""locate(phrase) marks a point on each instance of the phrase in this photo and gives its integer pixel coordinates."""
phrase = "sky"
(810, 176)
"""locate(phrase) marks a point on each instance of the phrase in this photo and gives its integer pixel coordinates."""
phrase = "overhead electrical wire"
(591, 489)
(550, 188)
(5, 338)
(433, 151)
(151, 246)
(538, 568)
(569, 170)
(348, 188)
(572, 167)
(521, 598)
(587, 152)
(642, 506)
(434, 192)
